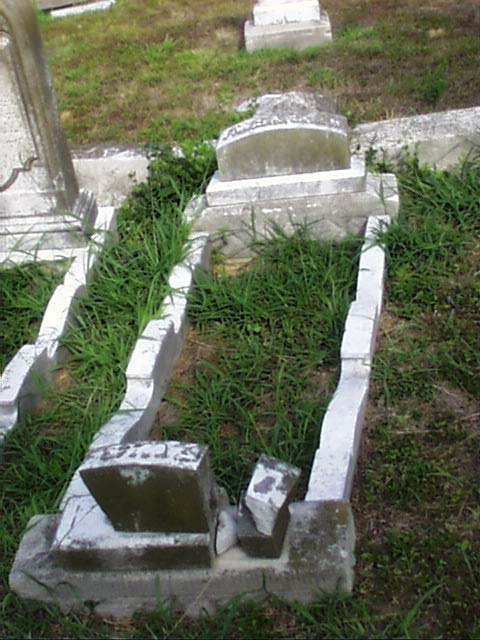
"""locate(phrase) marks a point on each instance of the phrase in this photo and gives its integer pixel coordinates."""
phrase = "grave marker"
(289, 24)
(41, 208)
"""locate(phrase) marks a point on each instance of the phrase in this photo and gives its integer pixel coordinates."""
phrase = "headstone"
(290, 24)
(153, 486)
(40, 204)
(267, 12)
(270, 491)
(291, 133)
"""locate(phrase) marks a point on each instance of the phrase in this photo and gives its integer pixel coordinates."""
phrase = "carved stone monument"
(42, 213)
(290, 163)
(289, 24)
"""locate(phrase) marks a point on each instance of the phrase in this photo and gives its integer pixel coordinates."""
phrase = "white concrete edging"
(100, 5)
(335, 460)
(33, 364)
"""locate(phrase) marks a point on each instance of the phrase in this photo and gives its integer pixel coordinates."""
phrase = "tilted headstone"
(153, 486)
(270, 491)
(263, 514)
(290, 133)
(40, 204)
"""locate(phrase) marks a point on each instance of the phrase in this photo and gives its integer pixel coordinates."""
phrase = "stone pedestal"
(41, 208)
(287, 24)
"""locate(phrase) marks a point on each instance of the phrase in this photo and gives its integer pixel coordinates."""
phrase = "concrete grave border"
(318, 553)
(33, 364)
(66, 12)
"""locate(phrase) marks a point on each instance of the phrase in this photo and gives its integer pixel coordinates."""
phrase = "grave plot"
(143, 520)
(261, 357)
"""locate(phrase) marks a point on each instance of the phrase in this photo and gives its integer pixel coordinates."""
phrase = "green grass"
(24, 294)
(274, 332)
(416, 492)
(167, 71)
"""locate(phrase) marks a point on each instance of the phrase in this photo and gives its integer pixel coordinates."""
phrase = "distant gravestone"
(41, 208)
(288, 24)
(290, 133)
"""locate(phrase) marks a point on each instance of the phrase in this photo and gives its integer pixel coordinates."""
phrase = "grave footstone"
(41, 208)
(290, 24)
(146, 486)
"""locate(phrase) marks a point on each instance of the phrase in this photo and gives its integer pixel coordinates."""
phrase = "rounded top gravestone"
(288, 134)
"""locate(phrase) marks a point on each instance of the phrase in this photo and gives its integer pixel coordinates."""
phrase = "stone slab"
(267, 12)
(440, 139)
(269, 491)
(152, 486)
(331, 217)
(110, 171)
(294, 35)
(301, 185)
(85, 540)
(289, 135)
(318, 560)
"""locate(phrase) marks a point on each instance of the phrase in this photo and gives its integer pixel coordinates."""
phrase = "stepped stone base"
(317, 558)
(290, 35)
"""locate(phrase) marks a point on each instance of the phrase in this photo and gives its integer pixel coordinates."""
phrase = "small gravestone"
(41, 208)
(292, 133)
(289, 24)
(152, 487)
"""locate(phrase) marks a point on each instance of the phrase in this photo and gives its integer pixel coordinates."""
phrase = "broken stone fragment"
(153, 486)
(256, 544)
(270, 491)
(226, 533)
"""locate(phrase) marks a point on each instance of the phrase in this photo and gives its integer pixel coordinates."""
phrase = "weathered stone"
(289, 135)
(53, 4)
(321, 539)
(329, 217)
(289, 35)
(226, 532)
(300, 185)
(37, 180)
(318, 560)
(266, 12)
(152, 486)
(85, 540)
(270, 491)
(256, 544)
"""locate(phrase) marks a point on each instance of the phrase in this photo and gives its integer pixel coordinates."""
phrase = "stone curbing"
(335, 460)
(33, 364)
(66, 12)
(318, 554)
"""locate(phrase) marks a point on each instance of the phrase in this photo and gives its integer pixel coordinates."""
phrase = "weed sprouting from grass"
(276, 329)
(24, 294)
